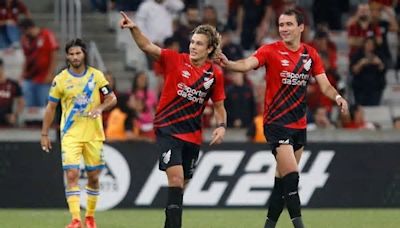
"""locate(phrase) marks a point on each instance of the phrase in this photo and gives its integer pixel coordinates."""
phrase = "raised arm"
(242, 65)
(141, 40)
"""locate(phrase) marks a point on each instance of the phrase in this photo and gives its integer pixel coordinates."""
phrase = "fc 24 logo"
(220, 179)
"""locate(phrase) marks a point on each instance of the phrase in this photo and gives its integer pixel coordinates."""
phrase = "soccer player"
(289, 65)
(78, 88)
(190, 80)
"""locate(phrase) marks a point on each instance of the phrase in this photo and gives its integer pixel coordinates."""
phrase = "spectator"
(356, 119)
(396, 123)
(142, 93)
(154, 18)
(122, 124)
(386, 26)
(210, 17)
(229, 48)
(321, 120)
(40, 47)
(239, 103)
(255, 132)
(367, 68)
(359, 27)
(184, 28)
(249, 16)
(324, 44)
(9, 15)
(329, 12)
(10, 92)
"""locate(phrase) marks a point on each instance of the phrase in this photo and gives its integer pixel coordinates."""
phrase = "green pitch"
(205, 218)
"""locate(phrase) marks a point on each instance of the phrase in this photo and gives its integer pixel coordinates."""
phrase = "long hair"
(214, 38)
(77, 43)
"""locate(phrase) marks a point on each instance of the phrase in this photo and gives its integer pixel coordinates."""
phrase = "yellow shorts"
(92, 153)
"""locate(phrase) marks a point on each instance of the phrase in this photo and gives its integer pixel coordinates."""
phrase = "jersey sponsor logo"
(253, 186)
(190, 93)
(185, 74)
(307, 65)
(290, 78)
(285, 62)
(115, 180)
(283, 52)
(166, 156)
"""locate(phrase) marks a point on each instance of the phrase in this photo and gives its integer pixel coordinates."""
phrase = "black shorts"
(277, 135)
(174, 151)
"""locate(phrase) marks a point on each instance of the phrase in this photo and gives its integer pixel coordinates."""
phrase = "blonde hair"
(214, 38)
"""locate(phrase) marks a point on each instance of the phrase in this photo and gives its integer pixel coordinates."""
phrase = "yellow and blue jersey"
(78, 95)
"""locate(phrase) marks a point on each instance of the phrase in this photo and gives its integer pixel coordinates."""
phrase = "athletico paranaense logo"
(214, 184)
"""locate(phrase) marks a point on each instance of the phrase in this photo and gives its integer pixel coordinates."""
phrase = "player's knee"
(72, 176)
(93, 182)
(175, 181)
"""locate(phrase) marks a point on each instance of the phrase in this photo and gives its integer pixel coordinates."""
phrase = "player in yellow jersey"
(78, 88)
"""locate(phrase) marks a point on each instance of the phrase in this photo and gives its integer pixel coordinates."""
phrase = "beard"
(75, 64)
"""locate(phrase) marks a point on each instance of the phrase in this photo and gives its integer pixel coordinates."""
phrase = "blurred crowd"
(244, 26)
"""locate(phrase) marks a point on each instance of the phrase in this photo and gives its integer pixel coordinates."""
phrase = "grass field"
(205, 218)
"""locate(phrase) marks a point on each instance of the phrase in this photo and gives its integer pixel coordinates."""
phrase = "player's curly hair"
(214, 38)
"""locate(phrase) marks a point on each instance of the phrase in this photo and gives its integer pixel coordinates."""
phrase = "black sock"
(290, 189)
(276, 204)
(297, 222)
(173, 211)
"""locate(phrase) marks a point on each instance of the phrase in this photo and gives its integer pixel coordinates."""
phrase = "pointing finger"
(124, 15)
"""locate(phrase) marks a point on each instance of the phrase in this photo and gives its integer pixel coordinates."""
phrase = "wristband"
(44, 135)
(222, 125)
(337, 97)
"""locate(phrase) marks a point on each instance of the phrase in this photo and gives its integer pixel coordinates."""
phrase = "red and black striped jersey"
(184, 95)
(287, 75)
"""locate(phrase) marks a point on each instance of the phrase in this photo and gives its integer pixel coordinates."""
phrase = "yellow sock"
(73, 200)
(92, 197)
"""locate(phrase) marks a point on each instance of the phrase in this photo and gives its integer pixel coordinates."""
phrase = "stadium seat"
(380, 115)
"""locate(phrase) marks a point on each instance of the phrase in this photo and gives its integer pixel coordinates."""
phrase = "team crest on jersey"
(285, 62)
(185, 74)
(208, 83)
(307, 64)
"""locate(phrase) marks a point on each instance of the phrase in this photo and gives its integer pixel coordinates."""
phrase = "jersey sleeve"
(218, 93)
(318, 66)
(167, 60)
(55, 93)
(100, 79)
(261, 55)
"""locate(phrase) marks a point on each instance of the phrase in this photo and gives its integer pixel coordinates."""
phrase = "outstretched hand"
(126, 22)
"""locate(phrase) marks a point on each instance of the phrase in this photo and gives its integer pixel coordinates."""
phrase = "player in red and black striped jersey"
(289, 65)
(190, 80)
